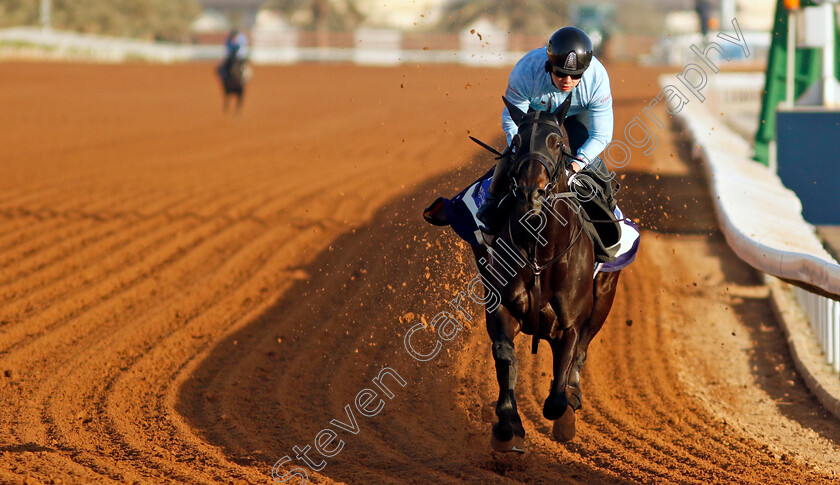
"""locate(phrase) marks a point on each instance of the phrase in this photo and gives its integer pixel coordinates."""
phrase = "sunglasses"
(561, 75)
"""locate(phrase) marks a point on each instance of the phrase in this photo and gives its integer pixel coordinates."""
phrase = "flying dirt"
(188, 297)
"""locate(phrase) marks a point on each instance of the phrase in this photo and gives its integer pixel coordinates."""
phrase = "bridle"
(551, 163)
(554, 166)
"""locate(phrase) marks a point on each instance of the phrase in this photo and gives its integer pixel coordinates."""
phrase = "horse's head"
(539, 152)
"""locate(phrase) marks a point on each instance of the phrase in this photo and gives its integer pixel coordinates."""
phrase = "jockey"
(236, 45)
(542, 80)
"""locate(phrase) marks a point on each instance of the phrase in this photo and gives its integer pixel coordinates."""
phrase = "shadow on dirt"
(25, 448)
(275, 383)
(256, 399)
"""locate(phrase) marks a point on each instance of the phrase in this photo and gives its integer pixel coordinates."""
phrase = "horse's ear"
(516, 114)
(564, 110)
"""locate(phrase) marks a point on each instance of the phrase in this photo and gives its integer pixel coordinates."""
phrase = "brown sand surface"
(188, 295)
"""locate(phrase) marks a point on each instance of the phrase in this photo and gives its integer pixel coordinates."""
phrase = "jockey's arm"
(601, 120)
(517, 94)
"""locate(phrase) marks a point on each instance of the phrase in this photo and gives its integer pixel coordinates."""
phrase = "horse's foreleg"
(508, 434)
(239, 97)
(604, 291)
(562, 350)
(604, 294)
(506, 368)
(563, 400)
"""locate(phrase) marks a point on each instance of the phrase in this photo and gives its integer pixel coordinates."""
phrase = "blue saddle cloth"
(461, 213)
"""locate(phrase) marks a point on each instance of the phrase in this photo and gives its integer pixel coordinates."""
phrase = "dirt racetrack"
(188, 295)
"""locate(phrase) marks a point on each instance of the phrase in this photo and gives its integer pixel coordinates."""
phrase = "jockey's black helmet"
(569, 51)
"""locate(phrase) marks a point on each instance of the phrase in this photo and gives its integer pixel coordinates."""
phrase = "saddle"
(459, 213)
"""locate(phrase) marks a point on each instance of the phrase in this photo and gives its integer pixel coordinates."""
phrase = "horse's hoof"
(516, 444)
(564, 426)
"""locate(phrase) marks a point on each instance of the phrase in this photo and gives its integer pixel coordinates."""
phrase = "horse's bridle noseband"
(553, 165)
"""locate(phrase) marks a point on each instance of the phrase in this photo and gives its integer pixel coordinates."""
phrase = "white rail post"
(825, 311)
(819, 314)
(45, 13)
(835, 323)
(829, 82)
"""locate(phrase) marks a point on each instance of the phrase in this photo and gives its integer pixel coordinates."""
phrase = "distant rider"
(542, 80)
(236, 46)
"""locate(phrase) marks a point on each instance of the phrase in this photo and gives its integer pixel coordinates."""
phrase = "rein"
(536, 271)
(553, 169)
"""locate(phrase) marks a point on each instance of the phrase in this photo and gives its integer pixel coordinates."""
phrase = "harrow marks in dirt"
(187, 297)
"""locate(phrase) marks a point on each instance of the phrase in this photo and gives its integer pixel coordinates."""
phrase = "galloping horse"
(550, 293)
(234, 74)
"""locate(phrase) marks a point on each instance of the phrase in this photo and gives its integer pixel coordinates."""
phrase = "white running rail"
(71, 45)
(104, 49)
(824, 315)
(762, 220)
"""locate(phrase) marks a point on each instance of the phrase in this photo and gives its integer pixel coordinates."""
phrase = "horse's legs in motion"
(508, 434)
(560, 405)
(239, 96)
(565, 397)
(605, 288)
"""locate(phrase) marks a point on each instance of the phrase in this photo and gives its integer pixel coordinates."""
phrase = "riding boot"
(609, 184)
(489, 213)
(598, 203)
(597, 172)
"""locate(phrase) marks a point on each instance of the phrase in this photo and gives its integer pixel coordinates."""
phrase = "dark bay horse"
(234, 73)
(544, 278)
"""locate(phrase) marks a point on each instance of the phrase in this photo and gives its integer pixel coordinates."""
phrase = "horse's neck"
(236, 69)
(562, 224)
(564, 209)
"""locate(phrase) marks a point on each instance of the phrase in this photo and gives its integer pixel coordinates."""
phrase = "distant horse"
(547, 288)
(234, 74)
